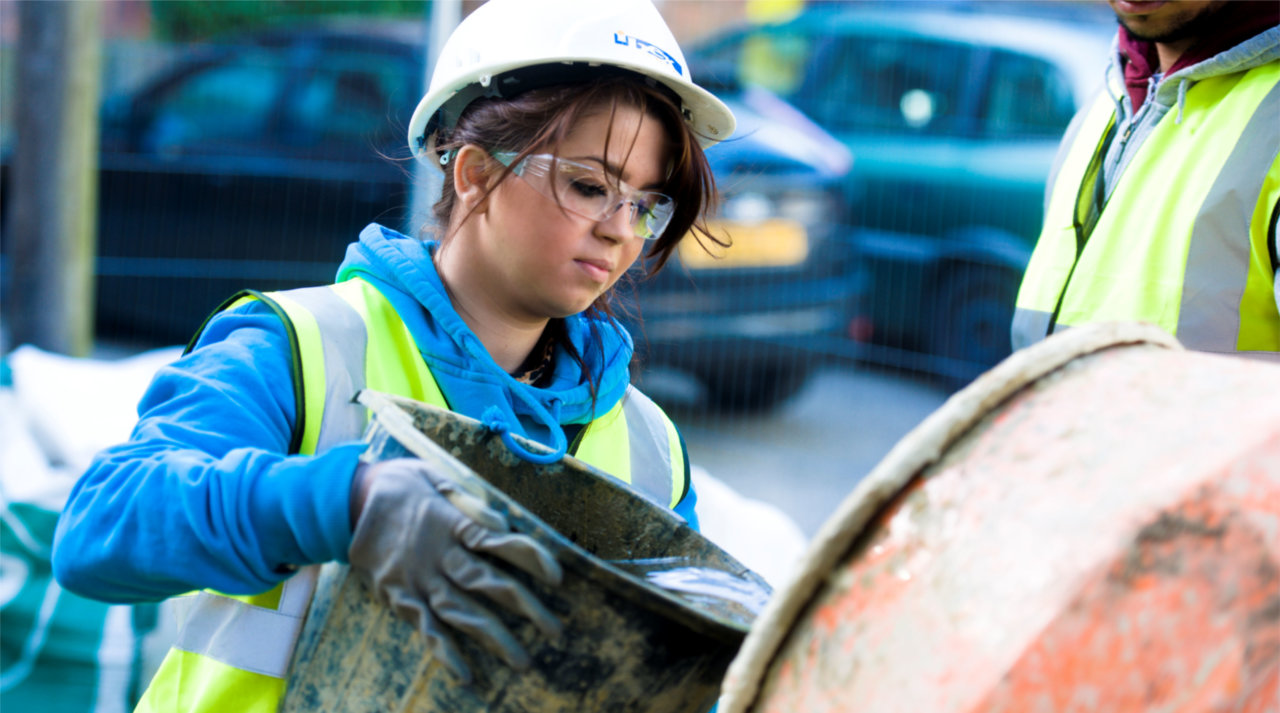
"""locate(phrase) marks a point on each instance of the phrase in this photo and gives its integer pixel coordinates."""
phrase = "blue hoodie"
(205, 495)
(472, 382)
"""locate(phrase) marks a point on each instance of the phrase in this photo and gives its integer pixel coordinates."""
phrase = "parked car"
(246, 163)
(954, 112)
(254, 162)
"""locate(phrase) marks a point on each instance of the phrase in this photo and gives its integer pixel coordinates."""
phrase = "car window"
(885, 84)
(218, 108)
(854, 82)
(348, 105)
(1026, 96)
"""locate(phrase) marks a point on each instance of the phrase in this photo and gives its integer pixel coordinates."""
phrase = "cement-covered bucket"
(628, 644)
(1092, 525)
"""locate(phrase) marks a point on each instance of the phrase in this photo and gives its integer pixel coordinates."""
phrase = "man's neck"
(1169, 52)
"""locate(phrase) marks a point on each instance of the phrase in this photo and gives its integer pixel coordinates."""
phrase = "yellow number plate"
(771, 243)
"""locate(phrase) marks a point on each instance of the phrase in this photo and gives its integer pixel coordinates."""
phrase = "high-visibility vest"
(1186, 240)
(232, 653)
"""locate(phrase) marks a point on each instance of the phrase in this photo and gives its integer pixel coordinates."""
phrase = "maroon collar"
(1234, 23)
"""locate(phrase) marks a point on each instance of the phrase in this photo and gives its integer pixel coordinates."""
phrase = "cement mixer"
(1092, 525)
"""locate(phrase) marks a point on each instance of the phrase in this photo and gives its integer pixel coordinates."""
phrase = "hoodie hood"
(1128, 68)
(401, 268)
(1228, 28)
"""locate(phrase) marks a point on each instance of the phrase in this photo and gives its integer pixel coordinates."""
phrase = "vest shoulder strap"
(299, 396)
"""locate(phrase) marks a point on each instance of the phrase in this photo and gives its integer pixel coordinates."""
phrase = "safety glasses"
(591, 193)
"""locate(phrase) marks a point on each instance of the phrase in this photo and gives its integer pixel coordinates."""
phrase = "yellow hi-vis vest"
(1186, 240)
(232, 653)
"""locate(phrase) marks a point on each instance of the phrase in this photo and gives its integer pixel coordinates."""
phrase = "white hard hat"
(494, 50)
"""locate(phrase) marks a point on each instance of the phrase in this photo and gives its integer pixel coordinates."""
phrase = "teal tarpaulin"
(60, 653)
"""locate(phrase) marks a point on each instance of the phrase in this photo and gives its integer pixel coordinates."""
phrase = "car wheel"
(754, 389)
(974, 309)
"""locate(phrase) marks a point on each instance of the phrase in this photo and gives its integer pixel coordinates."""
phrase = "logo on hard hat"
(649, 48)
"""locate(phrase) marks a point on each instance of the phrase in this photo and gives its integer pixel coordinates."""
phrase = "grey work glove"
(417, 535)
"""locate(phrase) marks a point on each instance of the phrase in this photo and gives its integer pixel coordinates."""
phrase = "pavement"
(806, 456)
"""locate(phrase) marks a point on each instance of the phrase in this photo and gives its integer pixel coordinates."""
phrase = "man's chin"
(1159, 36)
(1156, 21)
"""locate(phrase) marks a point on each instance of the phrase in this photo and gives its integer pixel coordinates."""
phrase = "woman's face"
(545, 262)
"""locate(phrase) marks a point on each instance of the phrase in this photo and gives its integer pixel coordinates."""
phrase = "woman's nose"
(617, 227)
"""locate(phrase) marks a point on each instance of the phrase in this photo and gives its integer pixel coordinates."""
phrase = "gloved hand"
(417, 535)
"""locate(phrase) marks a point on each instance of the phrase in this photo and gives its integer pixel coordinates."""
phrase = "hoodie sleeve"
(687, 507)
(204, 494)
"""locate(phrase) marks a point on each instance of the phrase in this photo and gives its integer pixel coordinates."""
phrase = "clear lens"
(589, 192)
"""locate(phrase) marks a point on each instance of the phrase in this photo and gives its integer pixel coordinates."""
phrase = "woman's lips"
(598, 270)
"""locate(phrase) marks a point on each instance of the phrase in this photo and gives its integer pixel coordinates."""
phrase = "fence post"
(49, 301)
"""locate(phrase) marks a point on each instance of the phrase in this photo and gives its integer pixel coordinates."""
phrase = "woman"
(571, 141)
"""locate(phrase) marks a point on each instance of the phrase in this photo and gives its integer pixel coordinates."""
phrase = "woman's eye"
(588, 188)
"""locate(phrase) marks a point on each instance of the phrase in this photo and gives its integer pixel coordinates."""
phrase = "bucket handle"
(400, 426)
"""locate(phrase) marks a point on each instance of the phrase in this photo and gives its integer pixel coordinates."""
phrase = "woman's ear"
(472, 177)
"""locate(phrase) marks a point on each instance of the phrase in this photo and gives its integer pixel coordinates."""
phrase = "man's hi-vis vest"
(232, 653)
(1187, 238)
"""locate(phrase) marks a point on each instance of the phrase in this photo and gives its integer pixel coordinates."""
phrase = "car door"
(190, 194)
(904, 105)
(250, 169)
(1027, 103)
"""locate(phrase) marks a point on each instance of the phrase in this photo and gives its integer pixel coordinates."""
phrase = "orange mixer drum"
(1093, 525)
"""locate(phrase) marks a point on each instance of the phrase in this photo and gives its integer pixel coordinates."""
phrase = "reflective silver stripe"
(650, 446)
(245, 636)
(298, 589)
(1273, 357)
(1029, 326)
(1218, 257)
(344, 337)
